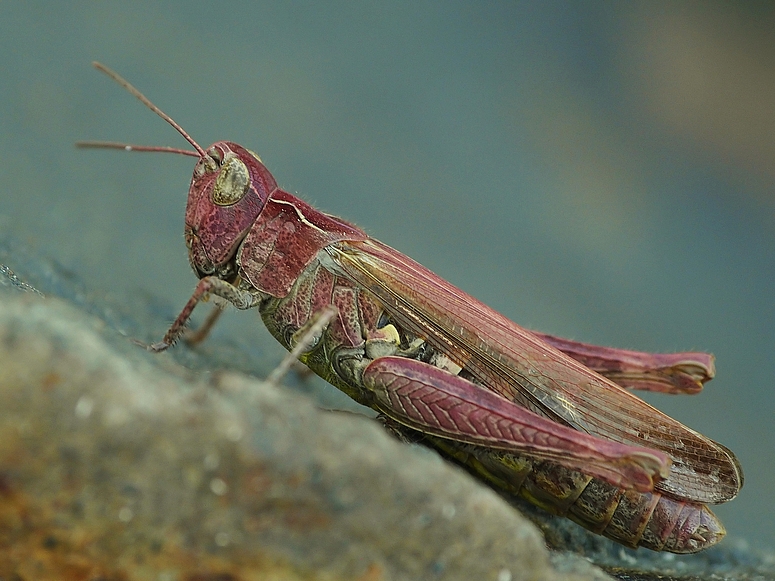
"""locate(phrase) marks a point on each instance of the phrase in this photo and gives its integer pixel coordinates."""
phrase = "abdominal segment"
(651, 520)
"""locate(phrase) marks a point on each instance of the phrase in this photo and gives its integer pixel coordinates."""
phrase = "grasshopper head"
(229, 188)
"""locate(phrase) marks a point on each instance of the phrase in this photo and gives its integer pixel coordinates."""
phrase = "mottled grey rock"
(114, 468)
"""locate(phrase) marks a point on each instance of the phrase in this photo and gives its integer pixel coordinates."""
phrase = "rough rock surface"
(116, 464)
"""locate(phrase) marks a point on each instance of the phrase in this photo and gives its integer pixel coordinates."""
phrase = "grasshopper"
(537, 416)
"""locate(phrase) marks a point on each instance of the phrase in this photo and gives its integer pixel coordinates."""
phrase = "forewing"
(519, 366)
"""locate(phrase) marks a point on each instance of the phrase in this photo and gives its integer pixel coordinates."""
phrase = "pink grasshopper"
(537, 416)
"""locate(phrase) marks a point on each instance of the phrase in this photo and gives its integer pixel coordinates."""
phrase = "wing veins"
(703, 470)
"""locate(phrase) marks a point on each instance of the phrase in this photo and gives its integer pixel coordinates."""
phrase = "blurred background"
(602, 171)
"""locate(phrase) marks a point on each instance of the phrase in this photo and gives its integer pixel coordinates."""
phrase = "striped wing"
(519, 366)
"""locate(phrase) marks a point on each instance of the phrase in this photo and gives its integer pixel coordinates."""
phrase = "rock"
(113, 466)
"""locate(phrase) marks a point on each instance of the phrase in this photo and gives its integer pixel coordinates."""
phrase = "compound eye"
(231, 184)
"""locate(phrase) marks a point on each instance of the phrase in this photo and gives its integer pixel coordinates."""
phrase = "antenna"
(130, 147)
(200, 153)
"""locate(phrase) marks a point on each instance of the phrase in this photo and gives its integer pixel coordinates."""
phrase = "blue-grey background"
(603, 171)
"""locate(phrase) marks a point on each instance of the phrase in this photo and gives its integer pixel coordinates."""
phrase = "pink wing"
(665, 372)
(518, 365)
